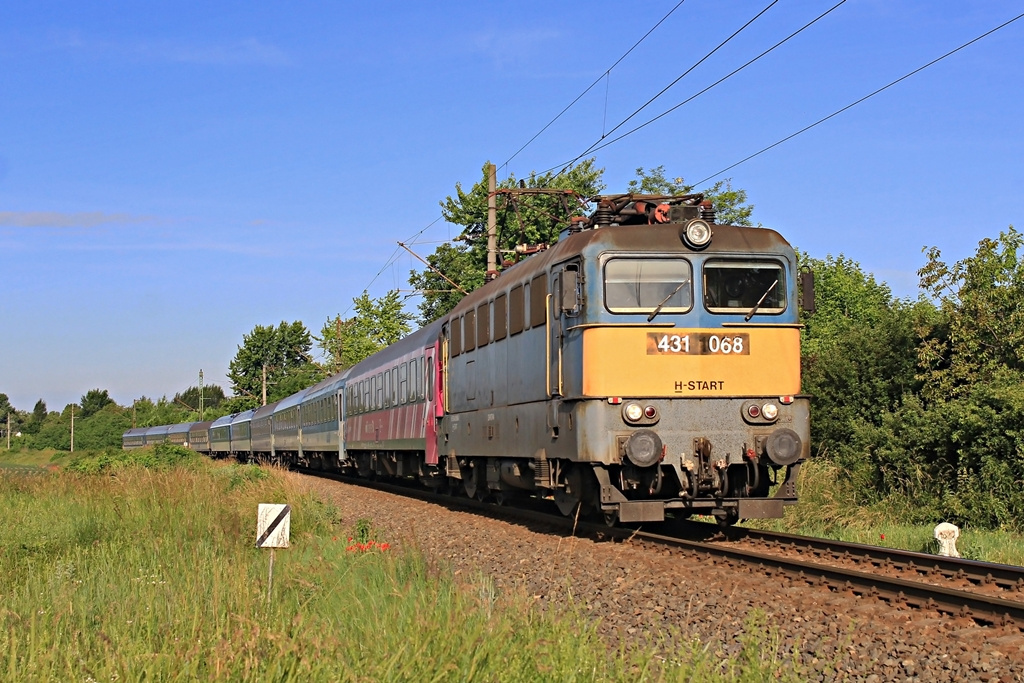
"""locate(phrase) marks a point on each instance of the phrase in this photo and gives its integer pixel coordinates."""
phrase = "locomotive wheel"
(570, 495)
(726, 518)
(611, 517)
(472, 483)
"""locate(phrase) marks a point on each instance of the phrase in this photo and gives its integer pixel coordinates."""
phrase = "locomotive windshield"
(738, 286)
(639, 285)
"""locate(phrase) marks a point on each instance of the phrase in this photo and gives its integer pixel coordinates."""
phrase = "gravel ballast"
(638, 594)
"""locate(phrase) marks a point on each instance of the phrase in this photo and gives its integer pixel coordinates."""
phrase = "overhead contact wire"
(591, 86)
(601, 146)
(722, 79)
(866, 97)
(678, 78)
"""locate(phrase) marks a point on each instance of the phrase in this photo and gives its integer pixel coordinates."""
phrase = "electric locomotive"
(649, 362)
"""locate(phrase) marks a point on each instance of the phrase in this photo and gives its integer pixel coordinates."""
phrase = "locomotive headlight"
(697, 234)
(770, 411)
(633, 412)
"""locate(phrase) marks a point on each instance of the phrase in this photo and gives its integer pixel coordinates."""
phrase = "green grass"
(827, 509)
(30, 458)
(111, 570)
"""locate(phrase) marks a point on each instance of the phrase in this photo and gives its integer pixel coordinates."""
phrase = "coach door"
(341, 423)
(562, 304)
(432, 409)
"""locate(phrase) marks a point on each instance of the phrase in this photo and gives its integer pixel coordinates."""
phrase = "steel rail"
(1005, 576)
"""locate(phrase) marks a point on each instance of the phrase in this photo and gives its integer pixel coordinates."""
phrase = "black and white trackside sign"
(273, 524)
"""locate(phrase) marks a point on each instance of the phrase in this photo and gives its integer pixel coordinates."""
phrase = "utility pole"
(133, 413)
(72, 427)
(264, 384)
(201, 413)
(340, 344)
(8, 430)
(492, 224)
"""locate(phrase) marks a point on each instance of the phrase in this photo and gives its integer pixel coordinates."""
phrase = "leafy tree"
(972, 367)
(36, 418)
(729, 203)
(283, 354)
(538, 221)
(102, 429)
(17, 421)
(981, 335)
(377, 323)
(858, 356)
(94, 401)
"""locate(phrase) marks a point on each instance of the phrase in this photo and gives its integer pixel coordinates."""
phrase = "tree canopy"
(729, 203)
(283, 354)
(537, 221)
(377, 323)
(94, 401)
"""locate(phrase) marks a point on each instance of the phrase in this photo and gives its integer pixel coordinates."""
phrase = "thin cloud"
(510, 47)
(57, 219)
(244, 52)
(249, 51)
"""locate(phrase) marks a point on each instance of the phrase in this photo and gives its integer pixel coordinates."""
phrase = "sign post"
(273, 527)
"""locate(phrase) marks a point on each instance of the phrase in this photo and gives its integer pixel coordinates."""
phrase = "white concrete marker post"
(273, 526)
(946, 534)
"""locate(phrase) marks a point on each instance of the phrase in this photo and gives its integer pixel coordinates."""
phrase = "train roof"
(327, 386)
(181, 428)
(664, 238)
(243, 416)
(155, 431)
(264, 411)
(289, 401)
(200, 426)
(225, 420)
(419, 339)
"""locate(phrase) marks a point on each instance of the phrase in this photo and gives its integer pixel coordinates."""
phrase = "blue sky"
(173, 174)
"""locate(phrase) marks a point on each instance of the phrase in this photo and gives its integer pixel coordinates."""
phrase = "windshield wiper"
(759, 302)
(657, 309)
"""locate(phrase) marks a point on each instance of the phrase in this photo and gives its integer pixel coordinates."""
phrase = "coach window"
(738, 286)
(455, 334)
(538, 300)
(379, 386)
(641, 285)
(430, 376)
(500, 317)
(469, 331)
(394, 385)
(483, 324)
(516, 310)
(418, 374)
(403, 383)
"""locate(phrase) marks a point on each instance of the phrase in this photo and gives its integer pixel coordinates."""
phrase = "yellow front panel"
(643, 361)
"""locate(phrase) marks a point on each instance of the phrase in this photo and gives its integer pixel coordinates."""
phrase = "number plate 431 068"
(698, 344)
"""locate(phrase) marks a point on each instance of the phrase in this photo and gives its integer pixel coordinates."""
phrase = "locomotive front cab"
(690, 373)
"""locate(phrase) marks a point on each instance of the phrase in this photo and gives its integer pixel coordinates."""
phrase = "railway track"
(988, 593)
